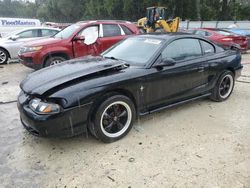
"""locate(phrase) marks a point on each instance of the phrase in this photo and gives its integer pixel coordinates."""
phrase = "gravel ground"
(200, 144)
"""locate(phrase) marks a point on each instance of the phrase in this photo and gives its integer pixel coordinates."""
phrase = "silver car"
(11, 44)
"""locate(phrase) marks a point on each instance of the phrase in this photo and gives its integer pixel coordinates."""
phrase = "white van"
(8, 25)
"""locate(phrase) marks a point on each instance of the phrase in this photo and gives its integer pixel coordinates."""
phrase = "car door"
(110, 35)
(213, 60)
(185, 79)
(90, 44)
(20, 39)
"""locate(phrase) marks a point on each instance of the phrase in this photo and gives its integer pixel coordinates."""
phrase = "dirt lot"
(200, 144)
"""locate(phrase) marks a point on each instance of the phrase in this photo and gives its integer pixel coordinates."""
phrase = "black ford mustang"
(138, 76)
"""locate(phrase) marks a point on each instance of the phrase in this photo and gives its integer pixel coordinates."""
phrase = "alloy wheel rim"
(2, 57)
(55, 62)
(226, 86)
(115, 119)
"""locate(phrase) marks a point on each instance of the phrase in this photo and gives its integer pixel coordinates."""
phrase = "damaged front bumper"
(68, 123)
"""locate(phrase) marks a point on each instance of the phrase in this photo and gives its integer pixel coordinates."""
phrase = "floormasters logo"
(16, 22)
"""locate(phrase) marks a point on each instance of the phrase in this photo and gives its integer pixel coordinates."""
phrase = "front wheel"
(54, 60)
(224, 87)
(3, 56)
(114, 118)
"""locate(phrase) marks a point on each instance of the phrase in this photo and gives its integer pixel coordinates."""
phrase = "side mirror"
(166, 62)
(14, 37)
(79, 38)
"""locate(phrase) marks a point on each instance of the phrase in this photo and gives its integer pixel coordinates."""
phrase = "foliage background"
(75, 10)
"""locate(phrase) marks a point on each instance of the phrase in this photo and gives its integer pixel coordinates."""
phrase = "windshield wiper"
(113, 58)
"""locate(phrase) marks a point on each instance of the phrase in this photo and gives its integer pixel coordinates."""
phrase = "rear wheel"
(54, 60)
(3, 56)
(224, 87)
(113, 119)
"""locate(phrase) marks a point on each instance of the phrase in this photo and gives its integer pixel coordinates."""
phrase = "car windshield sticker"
(153, 41)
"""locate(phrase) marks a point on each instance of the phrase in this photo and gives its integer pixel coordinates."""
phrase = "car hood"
(44, 41)
(67, 73)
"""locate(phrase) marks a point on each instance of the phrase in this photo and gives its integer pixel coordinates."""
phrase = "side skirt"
(175, 104)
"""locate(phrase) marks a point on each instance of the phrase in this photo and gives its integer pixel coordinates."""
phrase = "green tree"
(75, 10)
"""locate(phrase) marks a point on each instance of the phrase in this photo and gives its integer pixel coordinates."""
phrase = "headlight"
(43, 107)
(31, 49)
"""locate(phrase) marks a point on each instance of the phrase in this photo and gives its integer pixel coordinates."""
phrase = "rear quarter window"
(126, 30)
(48, 32)
(207, 47)
(202, 33)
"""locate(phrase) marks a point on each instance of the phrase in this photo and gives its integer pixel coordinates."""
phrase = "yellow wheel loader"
(156, 21)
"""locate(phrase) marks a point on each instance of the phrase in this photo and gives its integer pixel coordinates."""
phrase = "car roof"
(213, 30)
(167, 36)
(52, 28)
(216, 29)
(24, 29)
(103, 21)
(203, 29)
(28, 28)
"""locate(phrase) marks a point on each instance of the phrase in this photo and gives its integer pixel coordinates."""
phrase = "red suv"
(77, 40)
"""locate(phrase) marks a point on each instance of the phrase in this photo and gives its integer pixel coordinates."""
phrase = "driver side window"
(90, 34)
(183, 49)
(92, 30)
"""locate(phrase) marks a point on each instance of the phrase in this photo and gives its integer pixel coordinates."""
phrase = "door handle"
(201, 69)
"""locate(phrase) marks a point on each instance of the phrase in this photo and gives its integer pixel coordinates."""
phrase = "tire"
(54, 60)
(113, 119)
(159, 30)
(224, 87)
(4, 56)
(142, 30)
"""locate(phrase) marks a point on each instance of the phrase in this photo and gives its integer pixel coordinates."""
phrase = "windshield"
(67, 32)
(12, 33)
(134, 50)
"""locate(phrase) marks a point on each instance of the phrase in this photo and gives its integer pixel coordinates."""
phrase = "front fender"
(10, 52)
(75, 96)
(58, 50)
